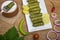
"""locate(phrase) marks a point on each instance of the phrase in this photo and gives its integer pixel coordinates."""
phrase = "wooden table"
(5, 26)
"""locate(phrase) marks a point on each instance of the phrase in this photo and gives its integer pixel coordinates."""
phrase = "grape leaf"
(2, 37)
(11, 34)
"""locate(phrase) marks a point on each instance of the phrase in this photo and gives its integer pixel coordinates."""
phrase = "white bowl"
(5, 4)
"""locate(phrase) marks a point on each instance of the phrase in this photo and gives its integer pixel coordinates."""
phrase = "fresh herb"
(11, 34)
(2, 37)
(21, 38)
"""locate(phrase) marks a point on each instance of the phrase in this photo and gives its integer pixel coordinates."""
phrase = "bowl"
(11, 12)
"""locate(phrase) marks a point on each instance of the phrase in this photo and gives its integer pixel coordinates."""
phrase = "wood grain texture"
(42, 34)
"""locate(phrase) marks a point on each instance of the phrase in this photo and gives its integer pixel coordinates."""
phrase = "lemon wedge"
(25, 9)
(46, 18)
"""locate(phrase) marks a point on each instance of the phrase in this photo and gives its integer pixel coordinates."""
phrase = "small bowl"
(12, 12)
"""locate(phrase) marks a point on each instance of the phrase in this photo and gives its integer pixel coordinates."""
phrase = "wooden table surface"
(5, 26)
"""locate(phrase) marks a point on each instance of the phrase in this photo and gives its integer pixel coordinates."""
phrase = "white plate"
(29, 23)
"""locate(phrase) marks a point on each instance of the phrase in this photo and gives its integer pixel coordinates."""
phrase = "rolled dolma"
(33, 4)
(37, 21)
(35, 15)
(38, 24)
(9, 6)
(31, 7)
(36, 18)
(34, 12)
(36, 9)
(31, 0)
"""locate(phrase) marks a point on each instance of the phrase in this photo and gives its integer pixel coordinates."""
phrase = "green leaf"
(21, 38)
(11, 34)
(2, 37)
